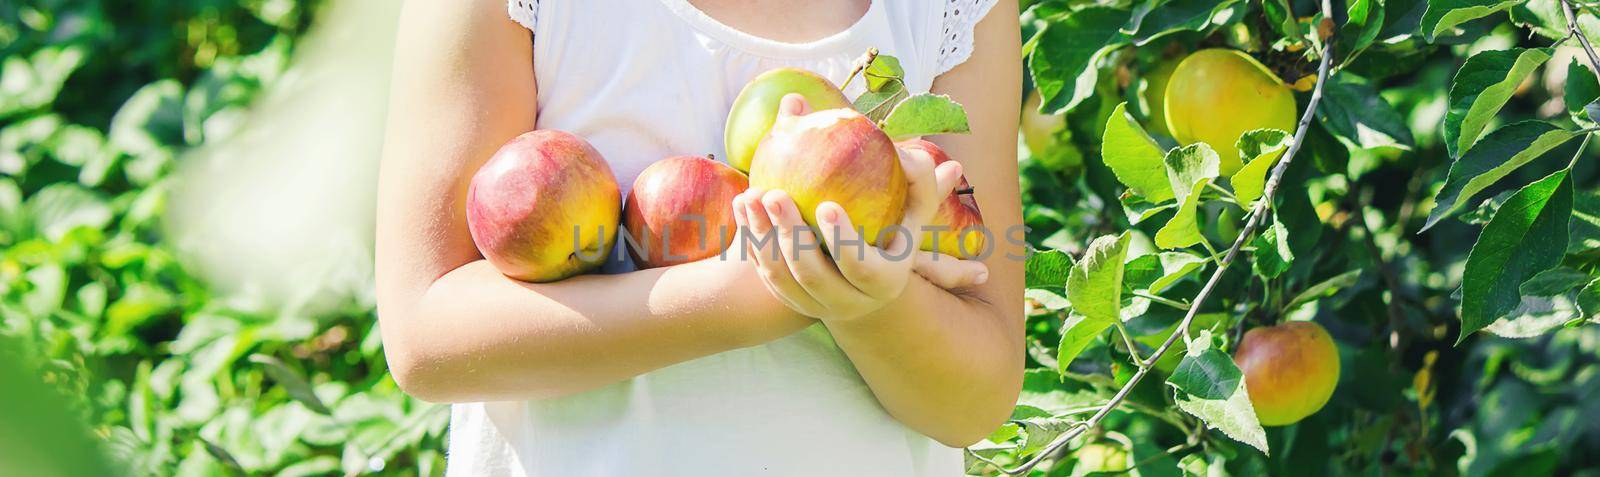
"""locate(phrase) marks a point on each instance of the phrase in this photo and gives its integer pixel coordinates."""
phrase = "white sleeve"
(960, 18)
(524, 12)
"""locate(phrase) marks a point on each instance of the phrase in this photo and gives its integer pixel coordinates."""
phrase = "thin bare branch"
(1573, 30)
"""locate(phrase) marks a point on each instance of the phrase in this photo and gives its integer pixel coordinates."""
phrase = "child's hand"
(857, 279)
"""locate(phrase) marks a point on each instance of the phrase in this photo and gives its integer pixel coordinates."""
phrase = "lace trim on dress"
(524, 12)
(960, 19)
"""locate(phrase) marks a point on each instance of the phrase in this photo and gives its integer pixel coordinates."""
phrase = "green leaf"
(885, 70)
(1095, 283)
(1209, 386)
(1527, 235)
(292, 382)
(1157, 272)
(1324, 289)
(61, 207)
(1162, 18)
(1362, 27)
(1582, 90)
(1501, 152)
(1260, 150)
(1589, 301)
(1076, 334)
(1555, 281)
(1359, 118)
(1481, 87)
(150, 122)
(1066, 51)
(1546, 19)
(1048, 269)
(1281, 17)
(1272, 253)
(925, 114)
(876, 105)
(35, 82)
(1049, 299)
(1134, 157)
(1444, 15)
(1585, 235)
(1189, 170)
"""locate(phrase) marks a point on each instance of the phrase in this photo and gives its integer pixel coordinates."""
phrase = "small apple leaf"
(1481, 87)
(876, 105)
(1076, 334)
(1260, 149)
(1527, 235)
(1156, 272)
(1189, 170)
(1272, 253)
(1444, 15)
(296, 385)
(1555, 281)
(1209, 386)
(1365, 20)
(1048, 269)
(925, 114)
(884, 71)
(1134, 157)
(1095, 283)
(1582, 89)
(1495, 157)
(1359, 117)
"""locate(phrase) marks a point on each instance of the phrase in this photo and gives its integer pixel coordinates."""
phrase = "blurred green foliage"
(98, 99)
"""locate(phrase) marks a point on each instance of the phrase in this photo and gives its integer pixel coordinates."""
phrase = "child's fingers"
(950, 273)
(769, 259)
(866, 267)
(927, 187)
(793, 104)
(803, 253)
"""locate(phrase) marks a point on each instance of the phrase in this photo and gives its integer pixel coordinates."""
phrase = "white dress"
(643, 80)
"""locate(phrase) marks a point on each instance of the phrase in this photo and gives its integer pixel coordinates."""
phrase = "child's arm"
(947, 363)
(455, 329)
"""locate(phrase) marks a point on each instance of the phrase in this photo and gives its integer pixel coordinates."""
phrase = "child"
(778, 365)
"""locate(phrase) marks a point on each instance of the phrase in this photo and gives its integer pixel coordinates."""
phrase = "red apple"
(544, 207)
(1289, 369)
(834, 155)
(681, 210)
(958, 222)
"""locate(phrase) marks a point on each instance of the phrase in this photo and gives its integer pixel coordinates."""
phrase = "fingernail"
(828, 214)
(982, 278)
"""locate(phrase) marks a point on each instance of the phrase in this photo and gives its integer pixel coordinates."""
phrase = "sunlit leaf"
(1527, 235)
(1261, 150)
(1209, 386)
(1481, 87)
(1444, 15)
(925, 115)
(1066, 51)
(1134, 157)
(1501, 152)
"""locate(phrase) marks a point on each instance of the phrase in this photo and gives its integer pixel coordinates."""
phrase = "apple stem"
(966, 190)
(862, 63)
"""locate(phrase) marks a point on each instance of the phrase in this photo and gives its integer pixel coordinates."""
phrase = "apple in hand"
(544, 207)
(681, 210)
(1290, 370)
(756, 109)
(834, 155)
(958, 225)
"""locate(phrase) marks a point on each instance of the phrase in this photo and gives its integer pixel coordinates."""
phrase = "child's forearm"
(947, 365)
(476, 335)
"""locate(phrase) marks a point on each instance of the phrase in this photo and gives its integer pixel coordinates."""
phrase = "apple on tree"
(1215, 95)
(1290, 370)
(544, 207)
